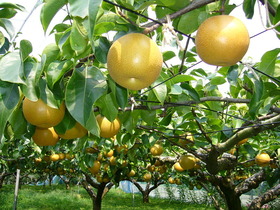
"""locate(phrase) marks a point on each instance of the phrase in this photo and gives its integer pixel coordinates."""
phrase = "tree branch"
(201, 128)
(89, 189)
(250, 183)
(249, 132)
(192, 6)
(269, 195)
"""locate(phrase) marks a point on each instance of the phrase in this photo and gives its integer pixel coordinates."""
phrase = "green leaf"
(7, 13)
(32, 74)
(277, 69)
(11, 6)
(11, 68)
(149, 116)
(2, 39)
(47, 95)
(122, 96)
(68, 122)
(256, 101)
(218, 80)
(168, 55)
(49, 10)
(9, 97)
(51, 52)
(85, 86)
(162, 11)
(78, 37)
(248, 8)
(232, 74)
(56, 70)
(101, 46)
(5, 47)
(166, 120)
(190, 21)
(108, 106)
(93, 8)
(65, 46)
(182, 78)
(18, 123)
(130, 120)
(268, 60)
(25, 49)
(191, 91)
(8, 26)
(103, 27)
(174, 5)
(78, 8)
(160, 90)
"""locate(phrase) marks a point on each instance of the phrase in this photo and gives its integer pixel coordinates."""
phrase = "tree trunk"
(232, 200)
(1, 181)
(146, 196)
(98, 199)
(50, 180)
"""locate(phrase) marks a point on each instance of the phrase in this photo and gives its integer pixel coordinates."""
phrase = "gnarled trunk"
(232, 199)
(146, 196)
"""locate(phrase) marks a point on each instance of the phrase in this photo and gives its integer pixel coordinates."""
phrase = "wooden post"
(16, 189)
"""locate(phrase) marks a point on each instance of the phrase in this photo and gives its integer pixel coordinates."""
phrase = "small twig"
(25, 20)
(201, 128)
(184, 54)
(125, 17)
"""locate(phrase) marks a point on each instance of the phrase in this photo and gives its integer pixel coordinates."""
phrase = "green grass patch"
(57, 197)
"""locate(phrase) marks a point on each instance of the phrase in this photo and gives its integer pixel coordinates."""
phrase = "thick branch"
(139, 187)
(249, 132)
(107, 188)
(89, 189)
(250, 183)
(192, 6)
(226, 162)
(157, 183)
(90, 181)
(269, 195)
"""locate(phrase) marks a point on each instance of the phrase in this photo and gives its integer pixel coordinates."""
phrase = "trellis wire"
(182, 71)
(158, 22)
(208, 109)
(210, 132)
(144, 16)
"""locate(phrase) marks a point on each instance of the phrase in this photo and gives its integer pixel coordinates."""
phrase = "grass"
(56, 197)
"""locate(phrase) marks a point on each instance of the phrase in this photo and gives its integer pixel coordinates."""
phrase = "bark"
(192, 6)
(3, 175)
(66, 182)
(214, 199)
(99, 196)
(107, 188)
(89, 190)
(146, 192)
(270, 195)
(102, 189)
(249, 132)
(250, 183)
(50, 177)
(225, 188)
(232, 199)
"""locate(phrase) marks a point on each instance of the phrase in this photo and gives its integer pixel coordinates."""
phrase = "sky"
(33, 30)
